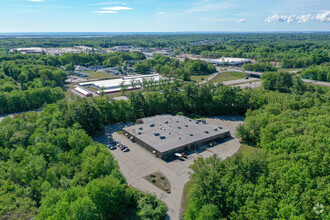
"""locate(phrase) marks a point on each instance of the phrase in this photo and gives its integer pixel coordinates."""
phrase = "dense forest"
(172, 67)
(288, 177)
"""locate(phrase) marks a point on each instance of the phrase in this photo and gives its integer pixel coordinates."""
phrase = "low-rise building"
(164, 135)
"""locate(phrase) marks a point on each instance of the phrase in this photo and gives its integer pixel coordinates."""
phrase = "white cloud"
(324, 16)
(36, 0)
(118, 8)
(161, 13)
(105, 12)
(276, 18)
(241, 20)
(108, 3)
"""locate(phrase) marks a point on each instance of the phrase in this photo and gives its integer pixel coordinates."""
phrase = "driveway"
(138, 163)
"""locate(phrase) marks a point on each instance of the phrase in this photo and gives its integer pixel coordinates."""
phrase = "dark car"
(126, 149)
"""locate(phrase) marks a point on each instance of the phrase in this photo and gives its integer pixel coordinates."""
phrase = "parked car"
(113, 148)
(123, 147)
(178, 155)
(126, 149)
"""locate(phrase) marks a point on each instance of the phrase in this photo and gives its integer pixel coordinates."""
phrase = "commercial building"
(83, 91)
(164, 135)
(115, 85)
(228, 61)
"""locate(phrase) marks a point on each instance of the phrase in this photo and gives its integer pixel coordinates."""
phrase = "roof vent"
(206, 131)
(177, 121)
(180, 138)
(179, 127)
(162, 137)
(220, 127)
(191, 135)
(186, 126)
(139, 133)
(152, 125)
(140, 128)
(215, 129)
(156, 134)
(166, 122)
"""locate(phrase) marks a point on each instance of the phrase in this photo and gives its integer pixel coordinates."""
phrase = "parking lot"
(138, 162)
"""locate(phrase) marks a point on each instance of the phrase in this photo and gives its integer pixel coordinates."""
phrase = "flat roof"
(167, 132)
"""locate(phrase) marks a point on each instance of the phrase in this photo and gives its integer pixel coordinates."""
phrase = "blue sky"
(163, 15)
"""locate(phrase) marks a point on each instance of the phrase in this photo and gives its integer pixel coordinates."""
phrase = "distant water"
(83, 34)
(109, 34)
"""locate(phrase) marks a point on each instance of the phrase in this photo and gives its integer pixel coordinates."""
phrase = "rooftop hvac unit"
(139, 133)
(186, 126)
(179, 127)
(215, 129)
(206, 131)
(166, 122)
(140, 128)
(152, 125)
(162, 137)
(156, 134)
(191, 135)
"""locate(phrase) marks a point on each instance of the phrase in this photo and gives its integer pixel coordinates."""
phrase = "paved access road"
(252, 85)
(139, 163)
(320, 83)
(239, 81)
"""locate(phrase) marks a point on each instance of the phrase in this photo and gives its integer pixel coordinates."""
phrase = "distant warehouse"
(165, 135)
(83, 91)
(228, 61)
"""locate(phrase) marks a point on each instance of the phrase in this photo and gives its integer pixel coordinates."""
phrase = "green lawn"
(227, 76)
(199, 78)
(184, 201)
(100, 75)
(248, 151)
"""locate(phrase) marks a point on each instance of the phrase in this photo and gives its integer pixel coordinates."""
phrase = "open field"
(100, 75)
(227, 76)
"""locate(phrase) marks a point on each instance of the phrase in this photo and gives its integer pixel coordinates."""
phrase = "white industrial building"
(228, 61)
(114, 85)
(83, 91)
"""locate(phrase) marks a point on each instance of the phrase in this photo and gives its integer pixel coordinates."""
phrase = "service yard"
(139, 163)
